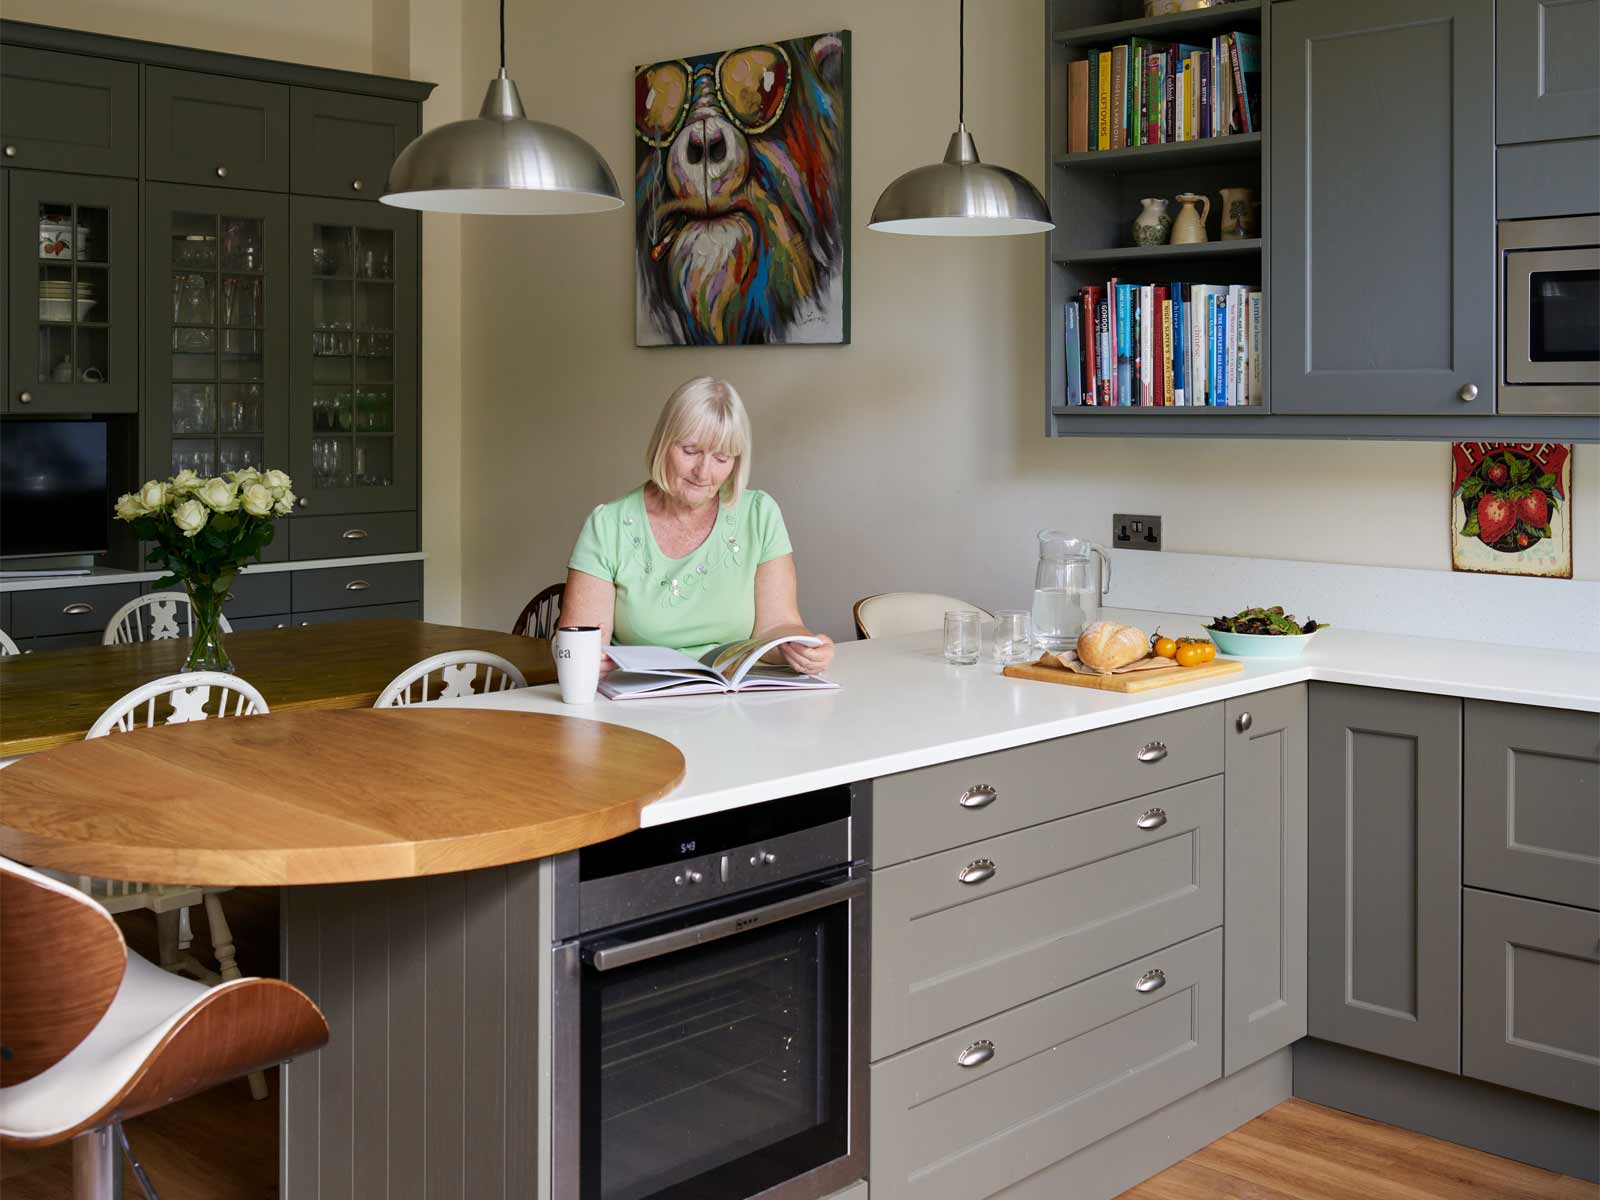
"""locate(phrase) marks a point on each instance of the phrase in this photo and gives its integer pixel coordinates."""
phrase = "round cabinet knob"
(24, 397)
(1244, 722)
(301, 502)
(356, 185)
(1468, 393)
(222, 172)
(11, 151)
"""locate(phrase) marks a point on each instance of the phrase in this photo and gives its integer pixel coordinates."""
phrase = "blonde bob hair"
(708, 413)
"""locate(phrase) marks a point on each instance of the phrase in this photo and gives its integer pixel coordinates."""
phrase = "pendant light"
(961, 196)
(499, 162)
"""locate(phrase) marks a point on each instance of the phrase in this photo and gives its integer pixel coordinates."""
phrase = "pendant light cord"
(503, 36)
(961, 40)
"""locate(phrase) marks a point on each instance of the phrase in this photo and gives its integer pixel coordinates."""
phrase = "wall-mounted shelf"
(1174, 25)
(1168, 154)
(1239, 248)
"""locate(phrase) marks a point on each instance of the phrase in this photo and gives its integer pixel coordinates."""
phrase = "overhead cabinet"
(217, 130)
(344, 145)
(69, 112)
(1546, 86)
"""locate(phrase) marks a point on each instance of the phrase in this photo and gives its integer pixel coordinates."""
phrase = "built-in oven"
(1550, 316)
(709, 1008)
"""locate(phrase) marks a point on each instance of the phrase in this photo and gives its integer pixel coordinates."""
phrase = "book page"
(660, 659)
(735, 660)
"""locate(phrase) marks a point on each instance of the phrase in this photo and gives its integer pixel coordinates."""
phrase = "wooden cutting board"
(1133, 681)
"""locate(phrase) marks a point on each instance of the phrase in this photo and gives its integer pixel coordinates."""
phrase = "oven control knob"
(764, 858)
(693, 876)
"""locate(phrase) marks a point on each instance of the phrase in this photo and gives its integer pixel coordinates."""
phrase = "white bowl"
(52, 309)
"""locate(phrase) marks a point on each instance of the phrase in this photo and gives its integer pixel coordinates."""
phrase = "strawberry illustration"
(1497, 471)
(1496, 516)
(1522, 541)
(1534, 509)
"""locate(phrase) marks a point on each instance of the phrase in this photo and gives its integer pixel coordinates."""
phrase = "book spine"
(1169, 94)
(1219, 352)
(1103, 104)
(1255, 348)
(1152, 82)
(1168, 397)
(1078, 106)
(1241, 337)
(1241, 120)
(1108, 351)
(1119, 115)
(1205, 95)
(1092, 131)
(1136, 66)
(1069, 331)
(1113, 333)
(1183, 101)
(1146, 396)
(1180, 393)
(1130, 111)
(1124, 342)
(1091, 395)
(1225, 89)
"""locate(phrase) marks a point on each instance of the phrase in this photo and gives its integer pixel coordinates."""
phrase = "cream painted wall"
(912, 458)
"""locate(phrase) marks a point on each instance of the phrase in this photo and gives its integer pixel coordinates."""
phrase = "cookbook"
(644, 672)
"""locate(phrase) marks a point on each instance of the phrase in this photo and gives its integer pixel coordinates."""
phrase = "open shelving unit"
(1095, 195)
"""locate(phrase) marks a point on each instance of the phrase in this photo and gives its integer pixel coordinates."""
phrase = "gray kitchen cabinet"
(72, 300)
(1531, 996)
(1264, 887)
(1382, 250)
(69, 112)
(216, 130)
(1547, 70)
(357, 586)
(349, 536)
(74, 610)
(1384, 873)
(343, 144)
(1532, 802)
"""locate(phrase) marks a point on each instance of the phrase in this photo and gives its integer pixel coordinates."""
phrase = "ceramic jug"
(1239, 207)
(1152, 226)
(1190, 225)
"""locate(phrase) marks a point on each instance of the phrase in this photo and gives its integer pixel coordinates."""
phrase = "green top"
(693, 603)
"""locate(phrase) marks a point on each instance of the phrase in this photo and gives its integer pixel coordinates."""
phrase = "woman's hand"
(809, 660)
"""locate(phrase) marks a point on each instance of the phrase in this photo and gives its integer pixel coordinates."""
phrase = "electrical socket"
(1135, 531)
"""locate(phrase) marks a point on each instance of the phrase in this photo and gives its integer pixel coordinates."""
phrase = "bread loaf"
(1107, 645)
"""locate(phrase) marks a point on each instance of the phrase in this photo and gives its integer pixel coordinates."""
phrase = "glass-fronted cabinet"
(73, 257)
(353, 362)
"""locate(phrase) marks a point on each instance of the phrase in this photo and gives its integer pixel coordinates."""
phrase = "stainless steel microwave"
(1550, 316)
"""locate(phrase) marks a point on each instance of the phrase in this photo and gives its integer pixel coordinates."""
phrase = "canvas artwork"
(1511, 508)
(742, 196)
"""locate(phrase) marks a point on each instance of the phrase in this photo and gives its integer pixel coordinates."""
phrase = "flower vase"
(206, 652)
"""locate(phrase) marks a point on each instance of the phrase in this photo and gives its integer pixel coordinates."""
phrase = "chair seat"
(164, 1037)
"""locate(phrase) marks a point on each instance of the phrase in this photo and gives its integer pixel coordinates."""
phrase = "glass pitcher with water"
(1067, 588)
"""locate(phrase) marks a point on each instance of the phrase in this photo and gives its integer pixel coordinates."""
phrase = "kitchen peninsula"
(1193, 833)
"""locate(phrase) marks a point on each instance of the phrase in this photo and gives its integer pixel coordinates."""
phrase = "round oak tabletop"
(330, 797)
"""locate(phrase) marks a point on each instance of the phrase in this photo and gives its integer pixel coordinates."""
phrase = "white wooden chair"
(890, 613)
(153, 618)
(445, 676)
(7, 646)
(186, 698)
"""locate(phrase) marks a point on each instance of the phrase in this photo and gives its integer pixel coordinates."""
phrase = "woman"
(692, 558)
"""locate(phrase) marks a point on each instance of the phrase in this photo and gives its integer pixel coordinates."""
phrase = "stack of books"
(1134, 345)
(1147, 93)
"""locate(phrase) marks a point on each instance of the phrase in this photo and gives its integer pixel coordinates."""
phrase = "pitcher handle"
(1205, 211)
(1105, 568)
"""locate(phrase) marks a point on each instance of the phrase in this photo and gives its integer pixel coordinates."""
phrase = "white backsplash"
(1506, 609)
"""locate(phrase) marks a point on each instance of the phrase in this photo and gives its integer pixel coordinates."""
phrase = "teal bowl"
(1260, 645)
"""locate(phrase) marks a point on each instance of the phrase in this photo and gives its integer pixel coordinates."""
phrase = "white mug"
(577, 653)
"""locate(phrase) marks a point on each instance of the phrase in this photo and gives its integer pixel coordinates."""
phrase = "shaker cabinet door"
(1547, 70)
(216, 130)
(343, 144)
(69, 112)
(1384, 875)
(1382, 182)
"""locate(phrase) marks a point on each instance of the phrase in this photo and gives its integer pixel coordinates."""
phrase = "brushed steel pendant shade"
(961, 196)
(500, 162)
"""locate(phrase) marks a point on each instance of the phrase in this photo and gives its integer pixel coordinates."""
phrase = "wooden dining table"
(52, 698)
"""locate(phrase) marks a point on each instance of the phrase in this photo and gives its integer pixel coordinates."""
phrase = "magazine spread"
(649, 671)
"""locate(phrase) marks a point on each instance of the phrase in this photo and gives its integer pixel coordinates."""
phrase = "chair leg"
(134, 1164)
(167, 939)
(185, 933)
(96, 1166)
(222, 943)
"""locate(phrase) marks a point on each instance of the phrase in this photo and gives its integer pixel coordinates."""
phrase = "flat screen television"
(55, 496)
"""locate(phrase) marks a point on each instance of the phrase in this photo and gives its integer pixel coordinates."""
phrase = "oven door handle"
(611, 956)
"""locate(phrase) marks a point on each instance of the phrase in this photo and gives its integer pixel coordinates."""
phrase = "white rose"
(190, 517)
(257, 500)
(184, 482)
(245, 476)
(278, 481)
(153, 495)
(128, 507)
(218, 495)
(285, 503)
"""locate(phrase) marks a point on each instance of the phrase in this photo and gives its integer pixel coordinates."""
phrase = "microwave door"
(1553, 317)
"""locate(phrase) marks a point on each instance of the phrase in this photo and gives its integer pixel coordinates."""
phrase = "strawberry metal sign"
(1510, 508)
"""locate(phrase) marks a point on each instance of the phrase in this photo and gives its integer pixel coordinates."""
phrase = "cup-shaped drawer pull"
(1151, 981)
(1152, 818)
(979, 795)
(357, 585)
(81, 608)
(976, 871)
(976, 1054)
(1152, 752)
(354, 535)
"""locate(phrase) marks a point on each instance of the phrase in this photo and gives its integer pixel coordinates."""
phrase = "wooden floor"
(221, 1145)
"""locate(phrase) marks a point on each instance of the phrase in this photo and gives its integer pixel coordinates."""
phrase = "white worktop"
(101, 576)
(901, 706)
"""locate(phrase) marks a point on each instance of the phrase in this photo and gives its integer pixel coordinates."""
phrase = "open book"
(646, 671)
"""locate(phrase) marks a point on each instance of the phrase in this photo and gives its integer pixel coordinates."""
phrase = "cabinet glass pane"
(193, 407)
(242, 301)
(331, 250)
(240, 408)
(234, 454)
(330, 461)
(197, 455)
(375, 306)
(55, 354)
(373, 462)
(242, 244)
(74, 285)
(330, 310)
(374, 254)
(374, 410)
(331, 409)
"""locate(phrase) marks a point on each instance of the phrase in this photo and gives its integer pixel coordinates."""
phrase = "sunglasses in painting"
(751, 85)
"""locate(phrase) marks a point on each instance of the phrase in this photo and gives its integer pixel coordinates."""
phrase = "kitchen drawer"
(327, 616)
(69, 112)
(61, 641)
(1064, 900)
(345, 537)
(1532, 802)
(1066, 1070)
(280, 620)
(1530, 995)
(357, 586)
(5, 611)
(343, 145)
(934, 808)
(253, 594)
(216, 130)
(54, 611)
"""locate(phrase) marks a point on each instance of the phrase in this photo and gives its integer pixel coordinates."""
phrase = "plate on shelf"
(62, 309)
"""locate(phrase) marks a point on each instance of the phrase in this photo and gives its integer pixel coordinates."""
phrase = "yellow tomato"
(1190, 655)
(1208, 651)
(1165, 647)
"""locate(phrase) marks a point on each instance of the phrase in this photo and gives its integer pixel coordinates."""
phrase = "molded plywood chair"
(93, 1035)
(7, 646)
(891, 613)
(153, 618)
(538, 617)
(457, 671)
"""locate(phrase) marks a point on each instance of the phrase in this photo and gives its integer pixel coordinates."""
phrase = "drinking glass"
(961, 637)
(1013, 637)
